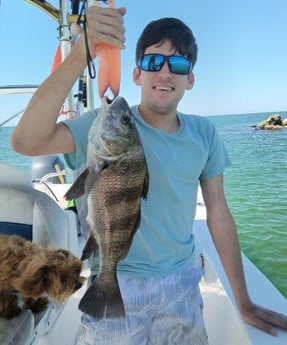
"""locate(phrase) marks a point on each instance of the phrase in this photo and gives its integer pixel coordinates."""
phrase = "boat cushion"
(26, 205)
(19, 229)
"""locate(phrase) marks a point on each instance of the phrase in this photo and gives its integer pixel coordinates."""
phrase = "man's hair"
(172, 29)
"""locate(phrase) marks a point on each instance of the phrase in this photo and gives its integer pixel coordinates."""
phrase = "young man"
(159, 277)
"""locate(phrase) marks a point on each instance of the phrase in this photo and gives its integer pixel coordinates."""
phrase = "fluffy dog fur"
(35, 272)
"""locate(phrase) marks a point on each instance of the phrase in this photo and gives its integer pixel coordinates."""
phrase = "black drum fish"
(115, 180)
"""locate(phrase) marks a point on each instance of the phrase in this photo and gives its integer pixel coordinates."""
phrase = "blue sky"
(241, 68)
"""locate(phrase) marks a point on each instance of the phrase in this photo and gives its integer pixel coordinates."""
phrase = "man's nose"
(165, 69)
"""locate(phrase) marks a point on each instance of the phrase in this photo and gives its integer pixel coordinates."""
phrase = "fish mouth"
(118, 103)
(106, 100)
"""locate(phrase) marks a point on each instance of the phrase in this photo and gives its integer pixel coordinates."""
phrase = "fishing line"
(90, 62)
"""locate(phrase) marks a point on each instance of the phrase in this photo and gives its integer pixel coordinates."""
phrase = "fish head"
(119, 117)
(114, 131)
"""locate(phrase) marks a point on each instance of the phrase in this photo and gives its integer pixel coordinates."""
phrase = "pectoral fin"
(78, 187)
(85, 181)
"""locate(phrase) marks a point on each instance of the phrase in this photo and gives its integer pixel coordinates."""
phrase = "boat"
(40, 204)
(16, 89)
(37, 201)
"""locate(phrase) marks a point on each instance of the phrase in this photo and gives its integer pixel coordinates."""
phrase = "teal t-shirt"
(164, 242)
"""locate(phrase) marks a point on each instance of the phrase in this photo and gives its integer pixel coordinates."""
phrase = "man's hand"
(104, 25)
(264, 319)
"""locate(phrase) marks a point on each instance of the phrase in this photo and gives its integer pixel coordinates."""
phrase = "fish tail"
(102, 300)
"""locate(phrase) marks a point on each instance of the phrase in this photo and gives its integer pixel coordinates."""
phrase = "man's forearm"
(224, 235)
(38, 123)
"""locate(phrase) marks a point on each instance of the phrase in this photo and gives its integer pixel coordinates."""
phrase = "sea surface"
(255, 186)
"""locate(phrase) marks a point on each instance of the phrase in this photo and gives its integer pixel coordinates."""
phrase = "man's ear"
(137, 76)
(190, 81)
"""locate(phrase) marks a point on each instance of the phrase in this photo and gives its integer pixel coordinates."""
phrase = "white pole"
(66, 42)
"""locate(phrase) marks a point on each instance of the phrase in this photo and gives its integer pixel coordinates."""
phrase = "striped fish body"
(116, 179)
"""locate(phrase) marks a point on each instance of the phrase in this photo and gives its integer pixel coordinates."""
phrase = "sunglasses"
(176, 63)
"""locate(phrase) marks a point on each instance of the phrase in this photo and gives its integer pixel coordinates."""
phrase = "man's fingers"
(75, 29)
(266, 320)
(105, 25)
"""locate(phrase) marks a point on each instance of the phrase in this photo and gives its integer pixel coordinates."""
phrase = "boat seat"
(17, 331)
(34, 215)
(28, 212)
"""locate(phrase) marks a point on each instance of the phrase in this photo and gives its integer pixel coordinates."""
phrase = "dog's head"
(56, 273)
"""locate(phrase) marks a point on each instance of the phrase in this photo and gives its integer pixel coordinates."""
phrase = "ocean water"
(255, 187)
(256, 190)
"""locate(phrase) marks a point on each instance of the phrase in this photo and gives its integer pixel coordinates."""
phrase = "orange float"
(109, 71)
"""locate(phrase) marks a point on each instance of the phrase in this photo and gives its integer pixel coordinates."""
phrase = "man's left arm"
(224, 235)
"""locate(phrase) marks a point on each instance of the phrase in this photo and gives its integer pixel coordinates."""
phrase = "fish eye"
(125, 120)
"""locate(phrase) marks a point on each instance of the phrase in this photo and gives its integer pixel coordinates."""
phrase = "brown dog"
(35, 272)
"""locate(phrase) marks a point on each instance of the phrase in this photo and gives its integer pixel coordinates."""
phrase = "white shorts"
(159, 311)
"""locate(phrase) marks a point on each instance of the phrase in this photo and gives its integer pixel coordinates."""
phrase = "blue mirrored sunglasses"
(154, 62)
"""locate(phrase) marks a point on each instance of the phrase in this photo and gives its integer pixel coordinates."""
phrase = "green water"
(256, 189)
(7, 155)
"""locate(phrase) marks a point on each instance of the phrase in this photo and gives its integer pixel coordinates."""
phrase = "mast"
(86, 85)
(66, 42)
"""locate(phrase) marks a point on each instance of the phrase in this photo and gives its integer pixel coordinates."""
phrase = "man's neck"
(167, 122)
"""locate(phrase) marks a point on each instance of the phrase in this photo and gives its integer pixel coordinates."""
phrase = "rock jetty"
(274, 121)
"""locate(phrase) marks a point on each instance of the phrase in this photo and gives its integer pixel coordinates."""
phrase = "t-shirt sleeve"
(79, 128)
(218, 159)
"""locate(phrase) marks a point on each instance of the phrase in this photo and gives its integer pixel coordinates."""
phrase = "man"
(159, 277)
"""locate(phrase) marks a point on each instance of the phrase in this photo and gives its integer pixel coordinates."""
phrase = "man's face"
(162, 90)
